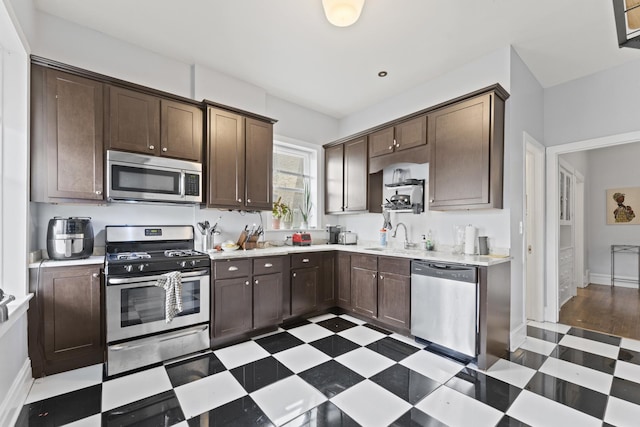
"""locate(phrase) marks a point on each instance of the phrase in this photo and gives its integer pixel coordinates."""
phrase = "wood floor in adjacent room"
(605, 309)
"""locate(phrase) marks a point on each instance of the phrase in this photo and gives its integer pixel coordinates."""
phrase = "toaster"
(347, 238)
(301, 239)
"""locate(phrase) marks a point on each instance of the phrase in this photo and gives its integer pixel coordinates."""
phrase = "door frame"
(578, 230)
(552, 310)
(534, 269)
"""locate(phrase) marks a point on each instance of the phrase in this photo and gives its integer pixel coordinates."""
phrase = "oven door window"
(142, 180)
(146, 304)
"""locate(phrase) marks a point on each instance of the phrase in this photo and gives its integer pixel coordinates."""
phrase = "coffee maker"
(333, 231)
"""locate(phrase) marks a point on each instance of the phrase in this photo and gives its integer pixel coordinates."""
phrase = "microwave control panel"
(191, 184)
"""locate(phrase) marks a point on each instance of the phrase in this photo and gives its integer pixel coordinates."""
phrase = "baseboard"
(517, 337)
(12, 404)
(605, 279)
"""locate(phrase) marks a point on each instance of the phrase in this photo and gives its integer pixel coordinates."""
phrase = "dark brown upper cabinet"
(466, 159)
(239, 161)
(346, 177)
(147, 124)
(405, 135)
(66, 137)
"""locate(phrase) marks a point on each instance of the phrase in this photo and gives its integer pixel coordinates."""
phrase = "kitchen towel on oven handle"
(172, 285)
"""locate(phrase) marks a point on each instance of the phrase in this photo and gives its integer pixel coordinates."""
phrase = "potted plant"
(287, 219)
(307, 205)
(279, 210)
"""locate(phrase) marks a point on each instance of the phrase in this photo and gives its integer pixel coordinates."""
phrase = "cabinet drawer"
(305, 260)
(267, 265)
(394, 265)
(232, 268)
(369, 262)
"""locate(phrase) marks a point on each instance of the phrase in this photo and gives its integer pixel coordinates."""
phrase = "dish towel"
(172, 285)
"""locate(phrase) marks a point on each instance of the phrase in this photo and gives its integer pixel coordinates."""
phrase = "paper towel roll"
(470, 237)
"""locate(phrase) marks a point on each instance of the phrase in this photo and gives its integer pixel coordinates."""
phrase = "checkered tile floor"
(339, 371)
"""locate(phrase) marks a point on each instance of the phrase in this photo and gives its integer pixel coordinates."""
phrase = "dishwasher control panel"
(457, 272)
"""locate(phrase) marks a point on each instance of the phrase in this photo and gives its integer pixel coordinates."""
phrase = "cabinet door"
(460, 159)
(304, 290)
(411, 133)
(267, 300)
(134, 121)
(364, 291)
(394, 299)
(355, 175)
(67, 139)
(334, 179)
(225, 167)
(71, 318)
(233, 306)
(259, 164)
(326, 288)
(381, 142)
(181, 132)
(343, 267)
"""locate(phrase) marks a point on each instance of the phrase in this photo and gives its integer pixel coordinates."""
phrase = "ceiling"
(288, 48)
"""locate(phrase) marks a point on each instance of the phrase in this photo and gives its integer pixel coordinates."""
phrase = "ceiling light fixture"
(343, 13)
(627, 16)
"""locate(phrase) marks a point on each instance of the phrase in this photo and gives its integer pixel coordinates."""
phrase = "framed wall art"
(621, 205)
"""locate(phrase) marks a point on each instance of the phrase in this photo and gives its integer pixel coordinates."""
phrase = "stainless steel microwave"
(139, 177)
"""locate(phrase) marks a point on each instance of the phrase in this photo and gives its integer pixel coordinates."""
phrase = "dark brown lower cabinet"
(364, 291)
(394, 297)
(343, 280)
(65, 319)
(233, 306)
(267, 300)
(304, 290)
(326, 288)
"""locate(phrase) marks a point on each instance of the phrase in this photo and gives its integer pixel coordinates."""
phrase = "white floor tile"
(309, 333)
(321, 317)
(353, 319)
(555, 327)
(511, 373)
(301, 357)
(131, 388)
(628, 371)
(585, 377)
(284, 400)
(433, 366)
(538, 346)
(53, 385)
(361, 335)
(371, 405)
(630, 344)
(365, 362)
(92, 421)
(595, 347)
(622, 413)
(455, 409)
(208, 393)
(536, 410)
(241, 354)
(407, 340)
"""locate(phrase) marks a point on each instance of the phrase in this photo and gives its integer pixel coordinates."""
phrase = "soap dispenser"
(429, 244)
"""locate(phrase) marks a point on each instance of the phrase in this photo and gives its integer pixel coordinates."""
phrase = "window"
(292, 166)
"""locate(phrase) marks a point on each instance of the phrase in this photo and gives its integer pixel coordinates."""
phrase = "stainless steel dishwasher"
(444, 308)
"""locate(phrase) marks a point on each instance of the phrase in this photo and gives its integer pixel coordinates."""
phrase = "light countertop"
(94, 259)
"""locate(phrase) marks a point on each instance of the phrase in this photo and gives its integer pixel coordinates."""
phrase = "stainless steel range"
(139, 331)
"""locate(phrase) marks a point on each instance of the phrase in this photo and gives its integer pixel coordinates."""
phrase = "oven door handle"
(165, 337)
(126, 280)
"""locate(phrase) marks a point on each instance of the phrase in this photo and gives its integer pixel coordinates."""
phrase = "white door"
(534, 222)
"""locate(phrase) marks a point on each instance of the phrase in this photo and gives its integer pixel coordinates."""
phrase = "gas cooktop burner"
(180, 252)
(132, 255)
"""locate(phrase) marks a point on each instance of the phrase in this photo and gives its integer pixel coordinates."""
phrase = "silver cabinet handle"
(305, 260)
(151, 147)
(374, 275)
(256, 282)
(246, 283)
(431, 200)
(294, 274)
(248, 200)
(268, 265)
(98, 192)
(391, 147)
(239, 200)
(395, 144)
(233, 268)
(95, 275)
(164, 149)
(381, 277)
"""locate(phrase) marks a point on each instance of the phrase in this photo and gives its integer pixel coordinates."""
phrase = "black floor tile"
(595, 336)
(393, 349)
(325, 415)
(527, 358)
(544, 334)
(507, 421)
(484, 388)
(63, 409)
(583, 358)
(626, 390)
(239, 413)
(334, 345)
(261, 373)
(377, 329)
(331, 378)
(629, 356)
(160, 410)
(295, 324)
(416, 418)
(583, 399)
(405, 383)
(279, 342)
(337, 324)
(189, 370)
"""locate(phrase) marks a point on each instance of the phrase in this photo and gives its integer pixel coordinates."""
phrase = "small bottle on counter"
(423, 243)
(430, 243)
(383, 237)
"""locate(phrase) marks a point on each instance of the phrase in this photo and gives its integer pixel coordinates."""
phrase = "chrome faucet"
(406, 239)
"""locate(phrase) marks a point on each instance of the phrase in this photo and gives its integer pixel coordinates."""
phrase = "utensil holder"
(206, 242)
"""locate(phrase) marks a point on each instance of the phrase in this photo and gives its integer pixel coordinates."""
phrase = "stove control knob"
(141, 267)
(128, 268)
(194, 262)
(183, 264)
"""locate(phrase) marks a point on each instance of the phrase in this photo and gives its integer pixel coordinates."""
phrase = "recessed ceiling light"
(382, 74)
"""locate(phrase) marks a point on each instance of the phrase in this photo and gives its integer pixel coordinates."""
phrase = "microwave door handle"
(182, 185)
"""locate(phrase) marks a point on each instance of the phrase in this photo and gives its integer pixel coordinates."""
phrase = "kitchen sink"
(374, 249)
